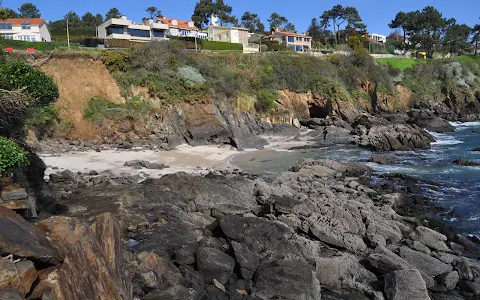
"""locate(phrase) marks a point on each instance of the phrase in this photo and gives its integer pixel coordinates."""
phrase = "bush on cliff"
(99, 108)
(12, 156)
(266, 100)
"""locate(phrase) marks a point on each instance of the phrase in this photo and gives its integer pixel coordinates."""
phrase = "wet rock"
(214, 264)
(466, 163)
(405, 284)
(286, 279)
(424, 263)
(476, 149)
(430, 238)
(382, 160)
(140, 164)
(24, 239)
(426, 119)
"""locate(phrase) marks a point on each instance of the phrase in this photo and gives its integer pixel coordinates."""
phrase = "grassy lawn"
(399, 63)
(468, 58)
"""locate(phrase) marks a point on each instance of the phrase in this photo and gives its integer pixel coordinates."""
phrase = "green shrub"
(38, 46)
(42, 115)
(212, 45)
(99, 108)
(329, 88)
(12, 156)
(116, 60)
(266, 100)
(16, 75)
(65, 126)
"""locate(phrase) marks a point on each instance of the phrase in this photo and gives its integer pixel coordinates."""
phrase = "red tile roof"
(181, 24)
(19, 21)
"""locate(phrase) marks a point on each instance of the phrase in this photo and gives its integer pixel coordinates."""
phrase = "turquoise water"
(460, 185)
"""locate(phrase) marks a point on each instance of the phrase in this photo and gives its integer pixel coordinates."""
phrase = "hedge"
(38, 46)
(12, 155)
(211, 45)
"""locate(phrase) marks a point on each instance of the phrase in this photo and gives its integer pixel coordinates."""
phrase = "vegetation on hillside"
(12, 155)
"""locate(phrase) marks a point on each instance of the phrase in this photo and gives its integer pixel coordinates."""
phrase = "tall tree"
(252, 22)
(7, 13)
(98, 19)
(476, 37)
(277, 21)
(29, 10)
(318, 34)
(113, 13)
(73, 19)
(88, 20)
(154, 12)
(456, 38)
(339, 15)
(204, 9)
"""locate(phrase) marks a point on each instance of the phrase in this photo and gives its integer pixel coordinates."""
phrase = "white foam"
(466, 124)
(444, 139)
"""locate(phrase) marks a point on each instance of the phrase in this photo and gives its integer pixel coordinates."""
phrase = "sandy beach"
(194, 160)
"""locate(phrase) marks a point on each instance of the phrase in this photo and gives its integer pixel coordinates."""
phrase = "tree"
(276, 21)
(29, 10)
(337, 16)
(154, 12)
(204, 9)
(252, 22)
(88, 20)
(98, 19)
(113, 13)
(73, 19)
(456, 38)
(290, 27)
(476, 36)
(7, 13)
(426, 29)
(318, 34)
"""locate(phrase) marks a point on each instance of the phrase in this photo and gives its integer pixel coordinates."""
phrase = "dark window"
(139, 33)
(112, 30)
(26, 25)
(158, 34)
(298, 48)
(5, 25)
(290, 39)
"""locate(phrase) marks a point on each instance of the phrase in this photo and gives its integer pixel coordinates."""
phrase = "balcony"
(159, 26)
(118, 36)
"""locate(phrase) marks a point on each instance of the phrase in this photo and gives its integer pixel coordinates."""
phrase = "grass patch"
(99, 108)
(400, 63)
(468, 59)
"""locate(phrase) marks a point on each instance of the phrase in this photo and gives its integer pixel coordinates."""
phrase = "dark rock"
(286, 279)
(426, 119)
(466, 163)
(8, 274)
(13, 194)
(214, 264)
(25, 240)
(27, 275)
(10, 294)
(93, 173)
(476, 149)
(405, 284)
(449, 280)
(247, 260)
(382, 160)
(62, 177)
(140, 164)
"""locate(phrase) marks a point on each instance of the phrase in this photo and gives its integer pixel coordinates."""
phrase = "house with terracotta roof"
(296, 41)
(124, 29)
(32, 30)
(181, 28)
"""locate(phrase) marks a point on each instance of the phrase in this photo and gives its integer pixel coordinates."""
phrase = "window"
(299, 39)
(114, 30)
(219, 37)
(8, 36)
(173, 32)
(299, 48)
(139, 33)
(174, 22)
(5, 25)
(306, 39)
(28, 38)
(158, 34)
(184, 32)
(291, 39)
(227, 36)
(26, 25)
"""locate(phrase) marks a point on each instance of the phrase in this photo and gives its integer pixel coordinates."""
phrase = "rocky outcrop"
(465, 163)
(405, 284)
(428, 120)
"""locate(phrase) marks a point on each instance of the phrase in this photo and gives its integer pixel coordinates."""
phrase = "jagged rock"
(25, 240)
(10, 294)
(424, 263)
(286, 279)
(140, 164)
(27, 275)
(62, 177)
(466, 163)
(64, 231)
(8, 274)
(449, 280)
(385, 261)
(247, 260)
(47, 282)
(476, 149)
(214, 264)
(464, 270)
(382, 160)
(469, 286)
(405, 284)
(426, 119)
(430, 238)
(13, 194)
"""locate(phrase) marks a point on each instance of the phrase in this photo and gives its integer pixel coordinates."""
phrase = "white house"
(32, 30)
(181, 28)
(124, 29)
(378, 38)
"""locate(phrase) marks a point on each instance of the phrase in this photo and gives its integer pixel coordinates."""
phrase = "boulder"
(477, 149)
(10, 294)
(385, 261)
(405, 284)
(22, 239)
(8, 274)
(430, 238)
(140, 164)
(27, 275)
(214, 264)
(286, 279)
(465, 163)
(449, 280)
(424, 263)
(247, 260)
(382, 160)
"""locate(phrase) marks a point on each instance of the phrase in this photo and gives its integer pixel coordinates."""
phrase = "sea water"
(459, 185)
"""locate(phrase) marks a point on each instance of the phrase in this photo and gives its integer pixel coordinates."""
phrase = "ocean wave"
(466, 124)
(444, 139)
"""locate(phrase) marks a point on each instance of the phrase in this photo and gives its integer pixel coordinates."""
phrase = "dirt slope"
(79, 79)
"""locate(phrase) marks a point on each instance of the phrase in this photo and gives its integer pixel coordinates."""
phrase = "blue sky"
(376, 13)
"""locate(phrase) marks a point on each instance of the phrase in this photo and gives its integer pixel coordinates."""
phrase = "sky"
(377, 14)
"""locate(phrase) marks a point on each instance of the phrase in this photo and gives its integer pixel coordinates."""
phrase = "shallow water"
(460, 185)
